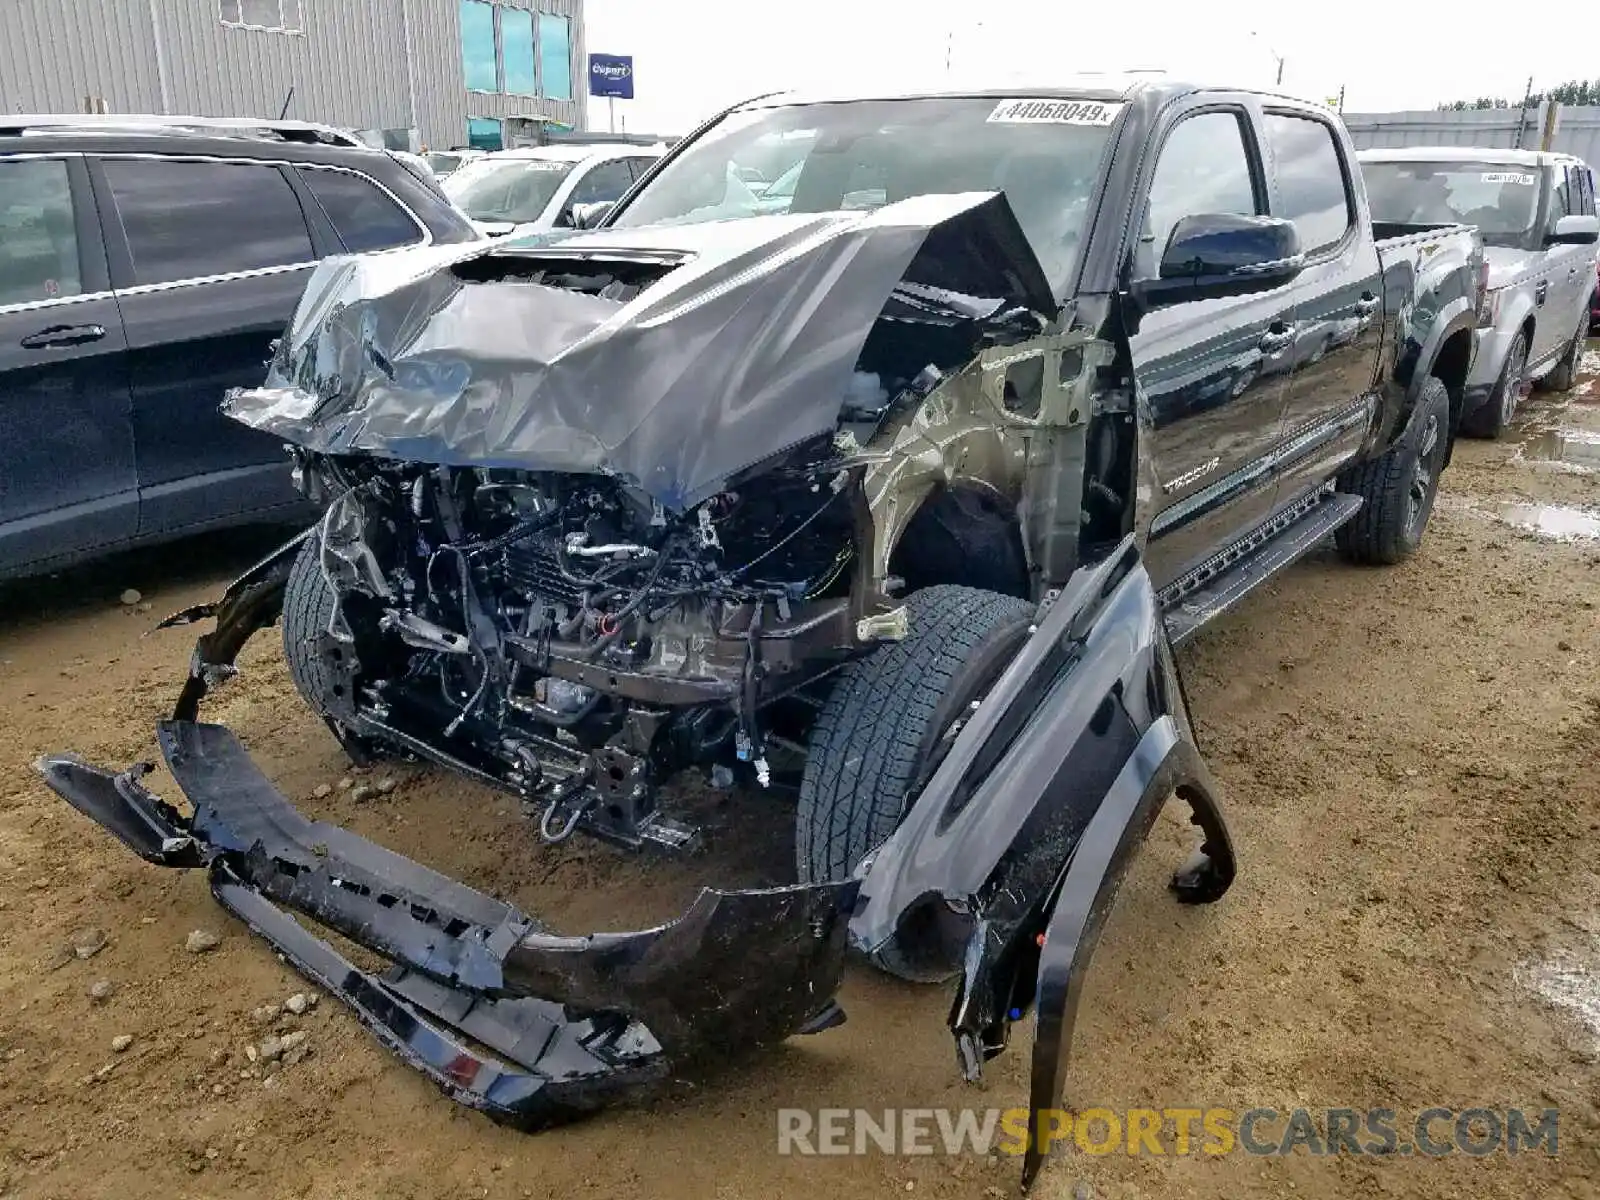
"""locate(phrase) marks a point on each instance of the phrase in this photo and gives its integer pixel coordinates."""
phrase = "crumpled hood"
(742, 347)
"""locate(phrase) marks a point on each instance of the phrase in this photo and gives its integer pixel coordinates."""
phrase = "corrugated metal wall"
(348, 68)
(1577, 129)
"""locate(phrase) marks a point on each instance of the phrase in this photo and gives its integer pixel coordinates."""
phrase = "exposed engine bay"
(567, 638)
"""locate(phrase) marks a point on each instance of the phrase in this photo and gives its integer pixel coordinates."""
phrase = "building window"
(485, 133)
(516, 51)
(276, 16)
(555, 56)
(478, 56)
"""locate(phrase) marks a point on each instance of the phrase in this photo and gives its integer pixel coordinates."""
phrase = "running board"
(1221, 582)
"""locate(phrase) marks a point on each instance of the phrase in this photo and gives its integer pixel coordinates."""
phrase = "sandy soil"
(1410, 759)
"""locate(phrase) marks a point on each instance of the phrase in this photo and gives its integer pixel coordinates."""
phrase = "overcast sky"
(693, 56)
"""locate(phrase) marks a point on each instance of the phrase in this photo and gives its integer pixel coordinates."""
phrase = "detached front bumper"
(566, 1025)
(1001, 874)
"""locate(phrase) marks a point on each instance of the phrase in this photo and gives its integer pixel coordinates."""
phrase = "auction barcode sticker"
(1508, 177)
(1055, 112)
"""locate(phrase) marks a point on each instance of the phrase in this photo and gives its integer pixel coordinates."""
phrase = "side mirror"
(1217, 254)
(1574, 231)
(589, 216)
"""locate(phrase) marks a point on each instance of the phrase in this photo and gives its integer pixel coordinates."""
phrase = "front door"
(1211, 373)
(67, 482)
(213, 260)
(1338, 314)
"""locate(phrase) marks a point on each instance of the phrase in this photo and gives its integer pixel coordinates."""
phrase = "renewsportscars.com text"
(1265, 1132)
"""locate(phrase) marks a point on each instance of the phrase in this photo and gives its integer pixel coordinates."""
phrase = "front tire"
(1565, 374)
(308, 604)
(877, 732)
(1491, 420)
(1398, 488)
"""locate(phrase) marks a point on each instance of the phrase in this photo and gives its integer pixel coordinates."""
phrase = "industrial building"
(435, 73)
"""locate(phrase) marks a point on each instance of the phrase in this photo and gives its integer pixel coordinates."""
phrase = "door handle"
(63, 335)
(1277, 339)
(1367, 305)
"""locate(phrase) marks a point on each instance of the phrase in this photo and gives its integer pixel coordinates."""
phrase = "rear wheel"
(1491, 420)
(1398, 489)
(876, 735)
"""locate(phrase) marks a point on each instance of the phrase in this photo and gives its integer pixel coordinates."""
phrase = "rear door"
(67, 482)
(1337, 299)
(1574, 265)
(208, 259)
(1212, 372)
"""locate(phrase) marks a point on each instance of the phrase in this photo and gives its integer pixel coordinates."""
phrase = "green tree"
(1578, 92)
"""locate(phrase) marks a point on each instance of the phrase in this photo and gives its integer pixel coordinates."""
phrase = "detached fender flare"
(1164, 763)
(1009, 858)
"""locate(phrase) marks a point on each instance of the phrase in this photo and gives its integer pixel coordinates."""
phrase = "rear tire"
(308, 604)
(878, 730)
(1491, 420)
(1398, 489)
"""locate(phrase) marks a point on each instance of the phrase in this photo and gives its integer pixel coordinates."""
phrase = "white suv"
(1536, 212)
(513, 192)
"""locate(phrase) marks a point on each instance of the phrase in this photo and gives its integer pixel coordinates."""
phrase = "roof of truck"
(1110, 86)
(1474, 154)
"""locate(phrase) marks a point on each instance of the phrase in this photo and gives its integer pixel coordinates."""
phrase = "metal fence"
(1577, 130)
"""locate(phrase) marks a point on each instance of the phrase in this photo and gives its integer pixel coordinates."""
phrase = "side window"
(1204, 168)
(640, 165)
(606, 182)
(1563, 202)
(1580, 190)
(185, 220)
(1312, 189)
(362, 216)
(38, 241)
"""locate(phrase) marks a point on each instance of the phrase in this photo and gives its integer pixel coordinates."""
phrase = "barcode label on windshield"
(1508, 177)
(1055, 112)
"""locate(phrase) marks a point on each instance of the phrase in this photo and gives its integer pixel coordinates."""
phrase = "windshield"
(1043, 154)
(514, 190)
(1501, 199)
(443, 164)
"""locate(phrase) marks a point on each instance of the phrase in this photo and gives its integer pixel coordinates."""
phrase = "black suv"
(146, 265)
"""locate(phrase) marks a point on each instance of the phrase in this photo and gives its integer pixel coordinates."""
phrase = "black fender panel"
(1011, 855)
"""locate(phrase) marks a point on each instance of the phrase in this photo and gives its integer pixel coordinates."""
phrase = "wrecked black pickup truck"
(903, 486)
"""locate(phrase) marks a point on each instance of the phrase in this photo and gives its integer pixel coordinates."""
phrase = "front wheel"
(1398, 488)
(1565, 374)
(1491, 420)
(876, 735)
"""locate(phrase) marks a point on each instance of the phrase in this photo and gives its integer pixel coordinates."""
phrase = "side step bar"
(1220, 583)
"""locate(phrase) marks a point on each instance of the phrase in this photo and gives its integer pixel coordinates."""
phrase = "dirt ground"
(1410, 758)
